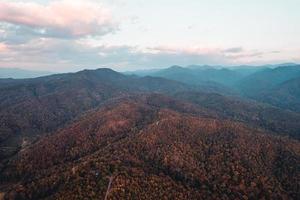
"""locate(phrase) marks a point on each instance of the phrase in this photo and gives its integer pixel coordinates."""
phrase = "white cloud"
(62, 19)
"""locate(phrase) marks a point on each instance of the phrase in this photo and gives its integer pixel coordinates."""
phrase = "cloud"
(234, 50)
(60, 19)
(54, 54)
(3, 48)
(192, 50)
(72, 55)
(275, 52)
(247, 55)
(69, 55)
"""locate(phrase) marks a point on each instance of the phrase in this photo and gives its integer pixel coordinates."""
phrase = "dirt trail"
(108, 188)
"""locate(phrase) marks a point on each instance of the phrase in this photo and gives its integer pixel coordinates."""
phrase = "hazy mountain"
(199, 75)
(246, 70)
(145, 72)
(223, 78)
(196, 74)
(285, 95)
(267, 79)
(21, 73)
(281, 65)
(203, 67)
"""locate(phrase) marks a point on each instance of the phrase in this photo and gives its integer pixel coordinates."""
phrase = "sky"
(70, 35)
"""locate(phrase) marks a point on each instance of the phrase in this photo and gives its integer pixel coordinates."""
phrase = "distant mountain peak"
(288, 64)
(101, 72)
(176, 67)
(201, 67)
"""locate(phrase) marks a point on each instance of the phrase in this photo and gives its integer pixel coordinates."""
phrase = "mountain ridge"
(74, 135)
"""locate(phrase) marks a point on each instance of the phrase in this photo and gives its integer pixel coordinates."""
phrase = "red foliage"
(156, 153)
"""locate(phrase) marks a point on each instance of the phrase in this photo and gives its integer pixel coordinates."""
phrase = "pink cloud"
(3, 48)
(66, 18)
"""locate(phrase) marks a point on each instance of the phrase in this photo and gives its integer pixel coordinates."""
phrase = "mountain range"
(263, 83)
(177, 133)
(21, 73)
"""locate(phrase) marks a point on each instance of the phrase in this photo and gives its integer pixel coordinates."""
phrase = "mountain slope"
(31, 107)
(199, 76)
(286, 95)
(265, 80)
(253, 113)
(155, 151)
(212, 79)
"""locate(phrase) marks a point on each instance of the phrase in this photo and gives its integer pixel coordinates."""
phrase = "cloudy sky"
(69, 35)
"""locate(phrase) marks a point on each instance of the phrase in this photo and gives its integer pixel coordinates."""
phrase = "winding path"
(109, 186)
